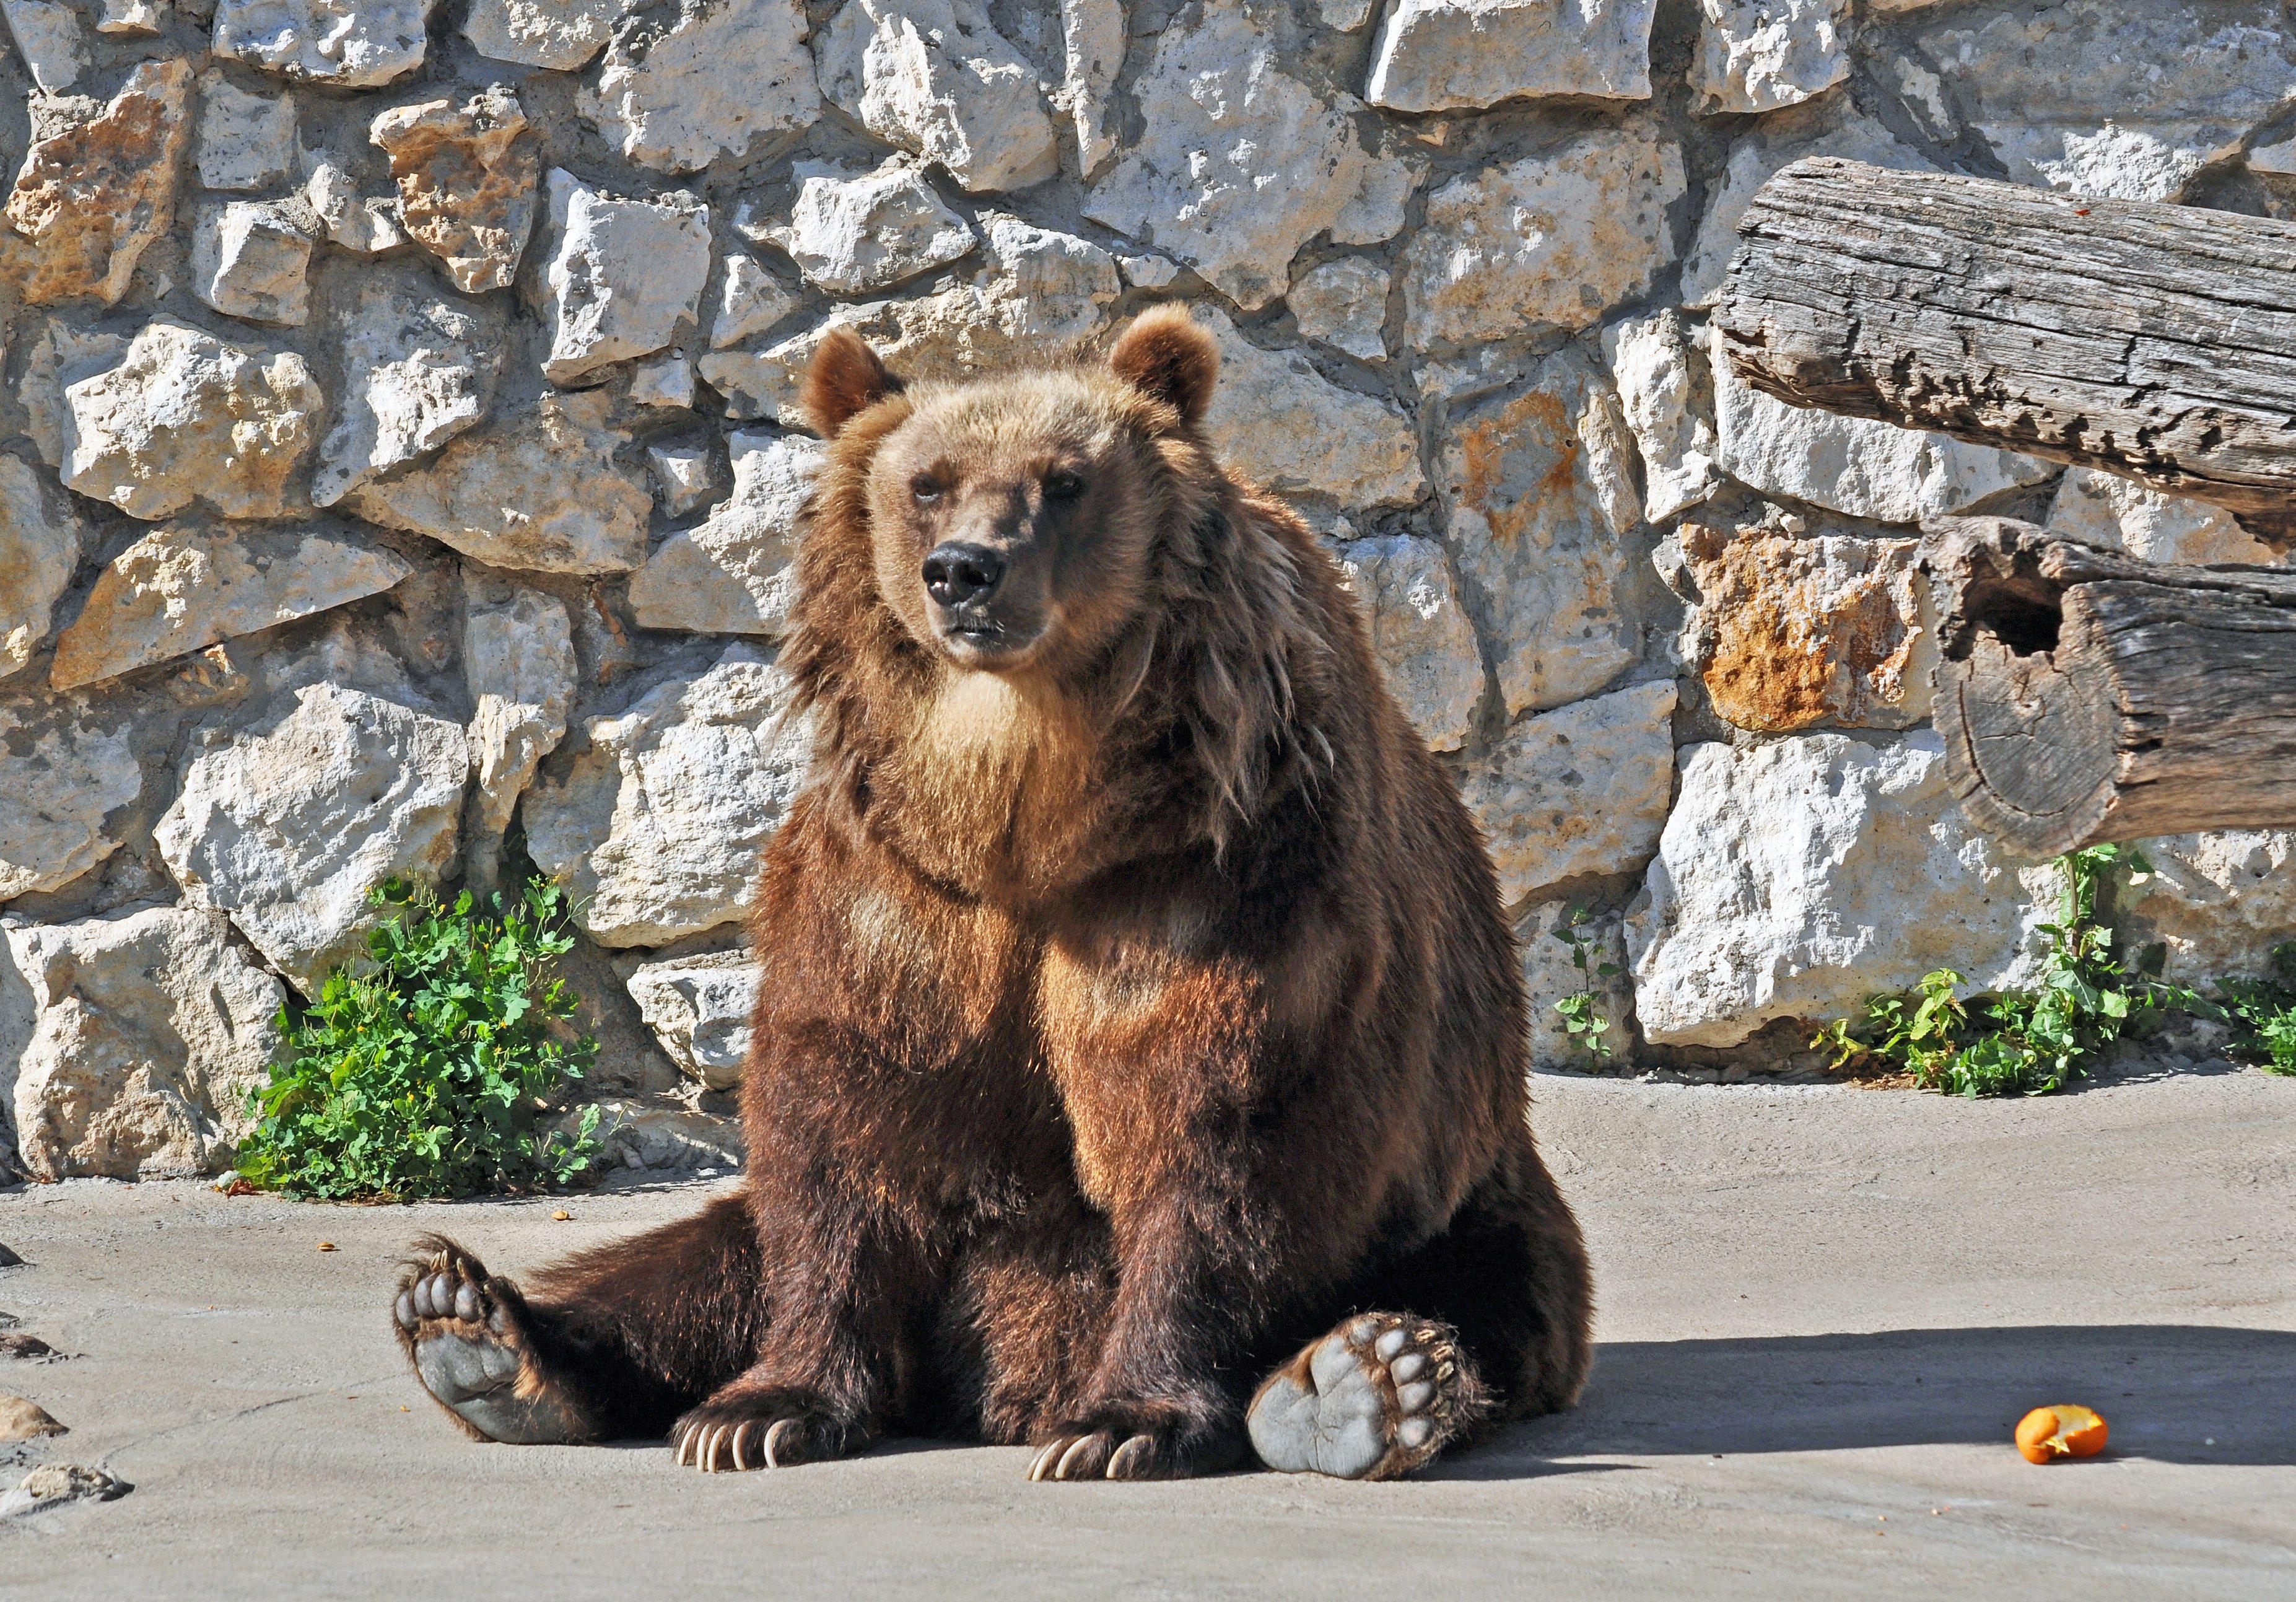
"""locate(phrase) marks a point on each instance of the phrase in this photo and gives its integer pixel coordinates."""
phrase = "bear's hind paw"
(465, 1333)
(1373, 1399)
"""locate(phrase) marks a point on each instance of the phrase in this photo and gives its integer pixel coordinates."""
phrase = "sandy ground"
(1822, 1309)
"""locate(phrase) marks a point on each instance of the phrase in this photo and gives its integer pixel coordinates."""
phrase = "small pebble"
(560, 1216)
(56, 1484)
(326, 1245)
(9, 1259)
(24, 1345)
(21, 1420)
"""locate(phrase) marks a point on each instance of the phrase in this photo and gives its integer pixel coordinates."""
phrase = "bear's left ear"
(844, 379)
(1165, 354)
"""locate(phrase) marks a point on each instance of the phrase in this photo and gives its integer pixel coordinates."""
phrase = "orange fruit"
(2063, 1430)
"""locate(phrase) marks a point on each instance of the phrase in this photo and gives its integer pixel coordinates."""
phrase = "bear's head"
(1014, 520)
(1037, 625)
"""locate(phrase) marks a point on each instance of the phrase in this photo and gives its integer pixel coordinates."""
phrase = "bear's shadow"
(2167, 1390)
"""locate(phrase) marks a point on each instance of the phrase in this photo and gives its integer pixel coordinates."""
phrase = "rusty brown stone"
(1792, 633)
(466, 180)
(90, 198)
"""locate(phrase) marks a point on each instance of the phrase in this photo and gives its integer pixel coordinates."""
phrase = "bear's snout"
(957, 574)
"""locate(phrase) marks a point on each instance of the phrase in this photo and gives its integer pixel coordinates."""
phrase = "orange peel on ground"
(2063, 1430)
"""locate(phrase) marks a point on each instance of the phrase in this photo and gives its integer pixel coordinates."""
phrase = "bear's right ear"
(844, 379)
(1166, 355)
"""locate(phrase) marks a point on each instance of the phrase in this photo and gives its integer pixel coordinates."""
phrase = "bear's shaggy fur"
(1137, 1001)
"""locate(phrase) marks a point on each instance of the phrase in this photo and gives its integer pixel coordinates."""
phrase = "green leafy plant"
(1581, 1010)
(2021, 1042)
(2263, 1014)
(428, 1075)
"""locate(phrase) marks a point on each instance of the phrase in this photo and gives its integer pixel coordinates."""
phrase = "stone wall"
(398, 459)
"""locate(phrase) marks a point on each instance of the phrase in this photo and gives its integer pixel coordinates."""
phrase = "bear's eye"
(1064, 487)
(925, 487)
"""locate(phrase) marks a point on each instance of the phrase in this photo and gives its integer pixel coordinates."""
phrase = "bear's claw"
(763, 1430)
(1373, 1399)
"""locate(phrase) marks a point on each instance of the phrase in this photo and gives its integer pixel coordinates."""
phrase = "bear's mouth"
(978, 640)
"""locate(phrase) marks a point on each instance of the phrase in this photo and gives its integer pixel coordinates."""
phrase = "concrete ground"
(1823, 1310)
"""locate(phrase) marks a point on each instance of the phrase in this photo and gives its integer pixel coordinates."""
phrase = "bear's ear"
(1167, 356)
(844, 379)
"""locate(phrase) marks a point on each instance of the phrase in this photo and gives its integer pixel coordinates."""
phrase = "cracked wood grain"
(2084, 696)
(2155, 342)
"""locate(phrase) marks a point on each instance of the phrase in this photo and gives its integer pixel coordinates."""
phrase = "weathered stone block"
(145, 1034)
(1580, 790)
(699, 1008)
(62, 777)
(2115, 513)
(1343, 304)
(184, 419)
(418, 370)
(186, 585)
(720, 79)
(246, 141)
(1419, 632)
(250, 259)
(1239, 163)
(542, 490)
(47, 36)
(558, 35)
(518, 660)
(93, 196)
(2220, 902)
(1552, 241)
(1443, 56)
(40, 542)
(1790, 633)
(936, 78)
(2101, 98)
(466, 178)
(1286, 427)
(286, 826)
(624, 275)
(657, 822)
(1797, 877)
(1757, 55)
(1667, 400)
(348, 44)
(854, 234)
(736, 573)
(1538, 488)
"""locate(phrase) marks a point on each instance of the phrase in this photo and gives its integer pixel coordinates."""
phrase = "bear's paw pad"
(1373, 1399)
(471, 1351)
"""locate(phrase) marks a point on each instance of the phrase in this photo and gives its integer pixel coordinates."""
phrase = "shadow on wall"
(2166, 1389)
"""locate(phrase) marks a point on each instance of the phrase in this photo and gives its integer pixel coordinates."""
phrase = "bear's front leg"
(843, 1271)
(1158, 1407)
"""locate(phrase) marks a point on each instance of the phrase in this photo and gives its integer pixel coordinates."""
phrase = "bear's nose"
(958, 574)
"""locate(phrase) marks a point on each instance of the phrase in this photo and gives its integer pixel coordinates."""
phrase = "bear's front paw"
(744, 1427)
(1136, 1443)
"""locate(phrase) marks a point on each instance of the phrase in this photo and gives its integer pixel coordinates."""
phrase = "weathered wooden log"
(2155, 342)
(2084, 696)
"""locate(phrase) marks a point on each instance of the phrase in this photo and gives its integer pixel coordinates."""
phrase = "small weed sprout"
(2022, 1043)
(426, 1077)
(2263, 1014)
(1581, 1010)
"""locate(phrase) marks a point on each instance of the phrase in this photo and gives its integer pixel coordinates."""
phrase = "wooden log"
(2084, 696)
(2155, 342)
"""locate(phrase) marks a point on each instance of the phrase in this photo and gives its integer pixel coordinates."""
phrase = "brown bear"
(1139, 1067)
